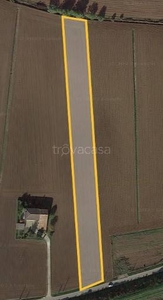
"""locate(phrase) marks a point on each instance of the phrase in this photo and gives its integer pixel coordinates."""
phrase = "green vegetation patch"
(137, 251)
(154, 293)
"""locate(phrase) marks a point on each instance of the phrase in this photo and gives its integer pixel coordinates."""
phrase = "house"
(36, 216)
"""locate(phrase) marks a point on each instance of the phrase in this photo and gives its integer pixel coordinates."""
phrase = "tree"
(53, 210)
(34, 227)
(40, 232)
(55, 3)
(102, 12)
(93, 8)
(114, 16)
(68, 4)
(54, 221)
(41, 5)
(81, 6)
(20, 210)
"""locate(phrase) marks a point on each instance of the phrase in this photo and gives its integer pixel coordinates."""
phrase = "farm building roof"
(20, 226)
(33, 215)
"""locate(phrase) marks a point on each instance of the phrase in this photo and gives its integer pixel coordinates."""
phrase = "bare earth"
(149, 71)
(112, 77)
(38, 121)
(152, 9)
(23, 263)
(7, 23)
(114, 124)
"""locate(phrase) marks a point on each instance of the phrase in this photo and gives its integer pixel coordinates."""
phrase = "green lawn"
(154, 293)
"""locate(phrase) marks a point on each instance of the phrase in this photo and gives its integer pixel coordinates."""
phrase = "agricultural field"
(149, 90)
(7, 21)
(114, 124)
(150, 294)
(126, 88)
(37, 125)
(23, 263)
(137, 9)
(137, 251)
(127, 93)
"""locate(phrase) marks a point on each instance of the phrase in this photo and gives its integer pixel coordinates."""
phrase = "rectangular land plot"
(23, 263)
(81, 134)
(149, 74)
(112, 79)
(137, 251)
(8, 14)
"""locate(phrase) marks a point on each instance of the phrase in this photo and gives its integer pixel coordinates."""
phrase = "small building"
(20, 226)
(36, 216)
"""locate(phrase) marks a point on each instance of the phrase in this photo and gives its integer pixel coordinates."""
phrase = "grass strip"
(146, 294)
(65, 292)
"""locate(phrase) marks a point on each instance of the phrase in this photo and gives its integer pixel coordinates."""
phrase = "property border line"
(135, 128)
(94, 154)
(81, 288)
(71, 152)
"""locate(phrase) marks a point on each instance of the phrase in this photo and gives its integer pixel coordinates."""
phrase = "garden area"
(36, 217)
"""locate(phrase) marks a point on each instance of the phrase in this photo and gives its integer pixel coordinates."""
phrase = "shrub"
(68, 4)
(81, 6)
(93, 8)
(20, 210)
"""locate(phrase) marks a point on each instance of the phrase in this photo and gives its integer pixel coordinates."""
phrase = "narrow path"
(47, 239)
(105, 285)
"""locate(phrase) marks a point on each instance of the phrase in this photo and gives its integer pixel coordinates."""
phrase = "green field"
(137, 251)
(155, 293)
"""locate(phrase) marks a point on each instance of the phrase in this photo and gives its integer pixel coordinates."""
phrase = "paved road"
(105, 285)
(48, 266)
(82, 152)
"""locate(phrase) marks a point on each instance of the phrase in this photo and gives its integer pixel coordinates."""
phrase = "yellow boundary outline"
(71, 151)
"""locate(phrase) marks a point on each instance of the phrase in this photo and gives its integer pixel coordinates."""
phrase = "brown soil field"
(149, 73)
(113, 92)
(146, 9)
(152, 9)
(136, 251)
(112, 79)
(7, 22)
(38, 122)
(23, 263)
